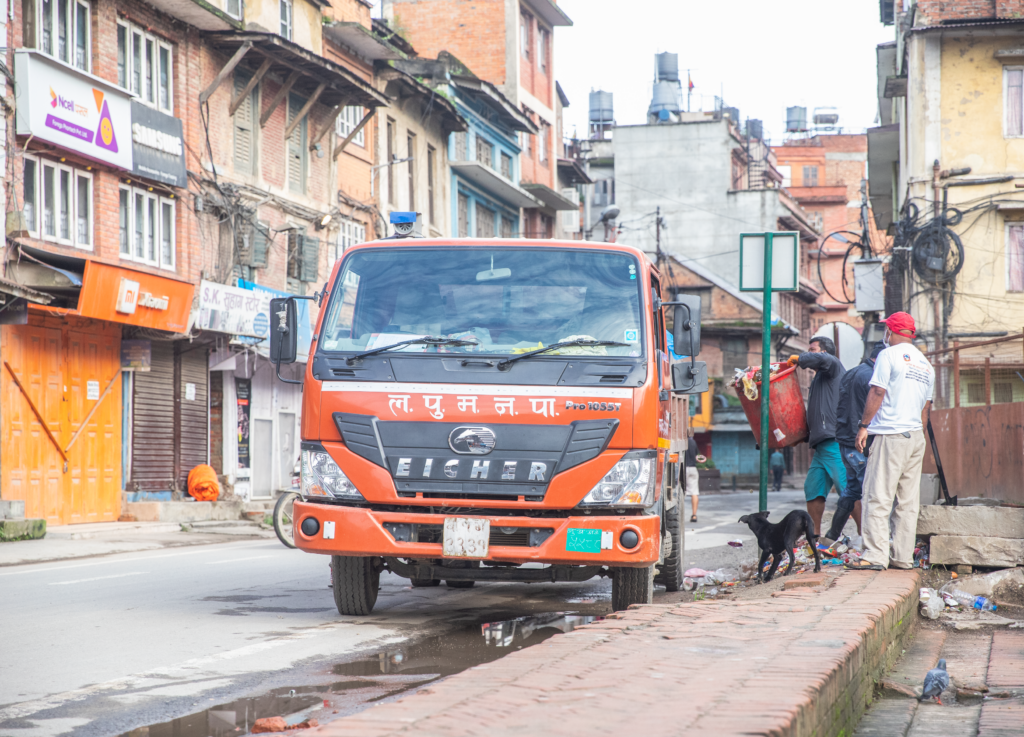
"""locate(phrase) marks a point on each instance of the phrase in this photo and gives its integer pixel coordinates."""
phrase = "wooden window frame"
(158, 203)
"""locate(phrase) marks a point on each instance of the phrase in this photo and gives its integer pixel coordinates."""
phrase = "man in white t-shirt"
(897, 409)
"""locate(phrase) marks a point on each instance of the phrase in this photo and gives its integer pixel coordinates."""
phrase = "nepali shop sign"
(72, 109)
(225, 309)
(157, 146)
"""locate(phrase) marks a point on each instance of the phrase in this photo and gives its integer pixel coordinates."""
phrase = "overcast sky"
(764, 56)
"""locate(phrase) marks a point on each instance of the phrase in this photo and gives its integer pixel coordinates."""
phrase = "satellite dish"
(850, 344)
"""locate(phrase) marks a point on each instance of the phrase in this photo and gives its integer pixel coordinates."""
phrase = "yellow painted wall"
(306, 21)
(972, 135)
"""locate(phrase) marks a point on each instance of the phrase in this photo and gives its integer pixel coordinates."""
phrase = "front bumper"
(360, 531)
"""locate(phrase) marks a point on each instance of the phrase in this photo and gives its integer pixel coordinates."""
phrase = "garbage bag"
(202, 484)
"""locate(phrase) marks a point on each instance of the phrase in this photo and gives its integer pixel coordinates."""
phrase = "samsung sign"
(157, 146)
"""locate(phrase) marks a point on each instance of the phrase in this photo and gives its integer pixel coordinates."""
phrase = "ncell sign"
(72, 109)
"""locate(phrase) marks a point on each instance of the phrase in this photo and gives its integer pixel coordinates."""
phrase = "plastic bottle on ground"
(970, 600)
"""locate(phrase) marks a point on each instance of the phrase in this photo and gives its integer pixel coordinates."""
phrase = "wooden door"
(93, 360)
(55, 361)
(31, 469)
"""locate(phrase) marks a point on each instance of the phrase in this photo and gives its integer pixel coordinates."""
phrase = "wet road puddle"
(389, 672)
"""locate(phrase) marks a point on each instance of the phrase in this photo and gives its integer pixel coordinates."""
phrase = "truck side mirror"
(686, 325)
(284, 338)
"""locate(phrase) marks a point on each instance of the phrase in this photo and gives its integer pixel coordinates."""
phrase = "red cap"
(902, 323)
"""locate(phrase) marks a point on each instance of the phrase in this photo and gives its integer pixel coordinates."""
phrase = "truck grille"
(522, 537)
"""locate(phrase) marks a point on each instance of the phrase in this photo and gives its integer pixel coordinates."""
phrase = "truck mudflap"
(578, 540)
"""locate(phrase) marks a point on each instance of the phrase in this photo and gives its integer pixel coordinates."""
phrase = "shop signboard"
(72, 109)
(132, 297)
(243, 394)
(157, 146)
(136, 355)
(227, 309)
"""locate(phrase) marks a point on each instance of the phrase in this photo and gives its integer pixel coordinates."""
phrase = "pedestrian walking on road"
(827, 468)
(692, 476)
(897, 409)
(778, 466)
(853, 393)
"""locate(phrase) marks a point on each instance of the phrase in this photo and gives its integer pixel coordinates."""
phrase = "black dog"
(774, 539)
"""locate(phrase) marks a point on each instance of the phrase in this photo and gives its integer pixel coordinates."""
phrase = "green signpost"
(768, 263)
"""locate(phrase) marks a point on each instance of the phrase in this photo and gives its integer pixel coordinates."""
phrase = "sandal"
(693, 518)
(862, 565)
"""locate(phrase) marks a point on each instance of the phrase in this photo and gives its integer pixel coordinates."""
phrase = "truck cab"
(491, 410)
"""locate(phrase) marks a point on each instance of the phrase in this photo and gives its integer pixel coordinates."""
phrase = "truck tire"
(632, 586)
(460, 584)
(424, 583)
(670, 573)
(356, 581)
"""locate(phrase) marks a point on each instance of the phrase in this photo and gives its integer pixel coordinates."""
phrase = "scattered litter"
(695, 573)
(736, 543)
(931, 603)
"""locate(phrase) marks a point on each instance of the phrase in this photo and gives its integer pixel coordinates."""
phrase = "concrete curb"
(803, 662)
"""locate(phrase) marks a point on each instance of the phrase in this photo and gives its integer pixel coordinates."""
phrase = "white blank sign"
(785, 262)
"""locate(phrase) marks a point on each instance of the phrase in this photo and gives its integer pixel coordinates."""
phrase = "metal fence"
(980, 373)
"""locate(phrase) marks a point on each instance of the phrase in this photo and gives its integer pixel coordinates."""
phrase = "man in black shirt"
(853, 393)
(827, 468)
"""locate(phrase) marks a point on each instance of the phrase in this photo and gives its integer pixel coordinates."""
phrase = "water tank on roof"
(667, 66)
(601, 107)
(665, 97)
(755, 129)
(796, 119)
(733, 113)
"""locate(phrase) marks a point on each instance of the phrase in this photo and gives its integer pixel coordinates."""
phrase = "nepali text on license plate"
(466, 537)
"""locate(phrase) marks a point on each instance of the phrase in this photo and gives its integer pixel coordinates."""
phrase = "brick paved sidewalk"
(802, 662)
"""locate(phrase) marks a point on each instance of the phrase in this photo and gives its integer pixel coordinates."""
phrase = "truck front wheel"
(356, 581)
(632, 586)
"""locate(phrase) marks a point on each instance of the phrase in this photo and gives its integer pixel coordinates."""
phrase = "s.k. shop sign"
(72, 109)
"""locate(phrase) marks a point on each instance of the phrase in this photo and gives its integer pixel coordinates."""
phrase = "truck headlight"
(322, 477)
(630, 483)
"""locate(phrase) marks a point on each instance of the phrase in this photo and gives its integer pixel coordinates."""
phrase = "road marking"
(108, 559)
(97, 578)
(237, 560)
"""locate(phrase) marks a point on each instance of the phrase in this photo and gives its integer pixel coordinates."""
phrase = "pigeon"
(935, 682)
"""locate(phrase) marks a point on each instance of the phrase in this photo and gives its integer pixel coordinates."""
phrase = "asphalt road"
(107, 645)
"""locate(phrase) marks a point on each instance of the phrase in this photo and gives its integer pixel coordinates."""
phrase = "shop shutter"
(310, 258)
(194, 440)
(260, 244)
(153, 422)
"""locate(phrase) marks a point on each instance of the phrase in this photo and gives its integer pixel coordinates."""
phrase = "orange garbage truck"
(492, 410)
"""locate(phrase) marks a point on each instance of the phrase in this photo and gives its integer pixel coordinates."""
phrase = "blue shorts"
(856, 463)
(827, 470)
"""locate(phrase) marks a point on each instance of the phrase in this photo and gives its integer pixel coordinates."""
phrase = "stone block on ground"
(971, 521)
(223, 511)
(22, 529)
(12, 509)
(991, 552)
(809, 580)
(171, 511)
(930, 489)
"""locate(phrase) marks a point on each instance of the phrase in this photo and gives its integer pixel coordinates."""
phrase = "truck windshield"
(501, 300)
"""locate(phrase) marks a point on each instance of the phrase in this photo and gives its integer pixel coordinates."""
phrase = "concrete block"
(12, 509)
(171, 511)
(971, 521)
(930, 489)
(224, 511)
(991, 552)
(22, 529)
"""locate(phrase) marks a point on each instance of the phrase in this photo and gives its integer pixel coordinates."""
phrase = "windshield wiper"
(428, 341)
(555, 346)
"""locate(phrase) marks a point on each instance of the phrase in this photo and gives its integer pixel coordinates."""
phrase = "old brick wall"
(933, 12)
(472, 30)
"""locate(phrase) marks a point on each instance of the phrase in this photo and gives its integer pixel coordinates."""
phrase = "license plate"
(583, 540)
(466, 537)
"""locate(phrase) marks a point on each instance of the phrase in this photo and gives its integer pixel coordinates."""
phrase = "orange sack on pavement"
(202, 484)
